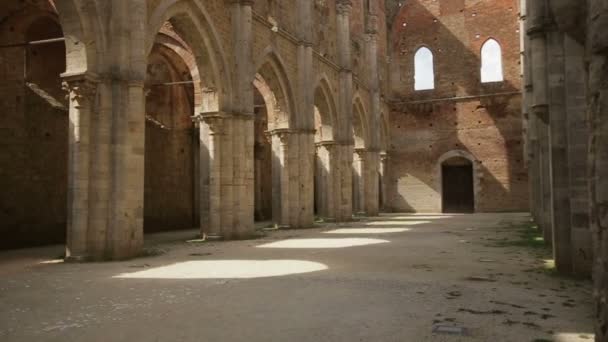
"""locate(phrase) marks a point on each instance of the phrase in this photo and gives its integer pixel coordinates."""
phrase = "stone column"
(211, 127)
(597, 47)
(359, 181)
(82, 90)
(344, 129)
(371, 197)
(304, 216)
(578, 146)
(329, 174)
(384, 177)
(281, 169)
(558, 133)
(540, 108)
(371, 194)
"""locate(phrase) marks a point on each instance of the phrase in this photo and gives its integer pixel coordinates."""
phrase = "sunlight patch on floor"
(367, 230)
(395, 223)
(227, 269)
(322, 243)
(573, 337)
(418, 217)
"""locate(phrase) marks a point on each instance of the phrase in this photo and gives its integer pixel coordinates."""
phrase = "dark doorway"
(457, 185)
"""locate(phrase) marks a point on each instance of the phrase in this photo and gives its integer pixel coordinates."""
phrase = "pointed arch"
(325, 109)
(171, 41)
(193, 24)
(360, 126)
(424, 69)
(491, 62)
(271, 70)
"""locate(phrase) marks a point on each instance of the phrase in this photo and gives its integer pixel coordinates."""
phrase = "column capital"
(371, 24)
(215, 121)
(80, 86)
(282, 133)
(344, 7)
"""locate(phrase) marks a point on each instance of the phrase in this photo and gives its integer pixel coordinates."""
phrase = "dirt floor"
(404, 278)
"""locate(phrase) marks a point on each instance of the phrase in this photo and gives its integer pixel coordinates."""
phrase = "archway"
(457, 185)
(383, 171)
(262, 156)
(274, 98)
(193, 37)
(35, 125)
(359, 167)
(171, 153)
(324, 121)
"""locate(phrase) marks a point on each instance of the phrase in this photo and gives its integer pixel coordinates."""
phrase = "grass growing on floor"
(530, 237)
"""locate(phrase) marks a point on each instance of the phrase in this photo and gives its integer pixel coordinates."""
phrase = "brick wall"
(461, 113)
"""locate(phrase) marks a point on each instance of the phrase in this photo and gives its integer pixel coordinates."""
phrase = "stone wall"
(482, 120)
(33, 132)
(565, 67)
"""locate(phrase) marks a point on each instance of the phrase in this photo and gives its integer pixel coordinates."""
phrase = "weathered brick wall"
(424, 125)
(33, 131)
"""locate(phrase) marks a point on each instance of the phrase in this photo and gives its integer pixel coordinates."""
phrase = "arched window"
(491, 62)
(424, 73)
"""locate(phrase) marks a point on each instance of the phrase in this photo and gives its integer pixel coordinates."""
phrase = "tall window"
(491, 62)
(424, 73)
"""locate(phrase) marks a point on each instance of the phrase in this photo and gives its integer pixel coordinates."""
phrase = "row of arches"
(185, 77)
(491, 65)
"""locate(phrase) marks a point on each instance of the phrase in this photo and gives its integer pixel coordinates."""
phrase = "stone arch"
(325, 110)
(272, 81)
(38, 115)
(171, 41)
(171, 150)
(476, 173)
(83, 35)
(360, 124)
(193, 24)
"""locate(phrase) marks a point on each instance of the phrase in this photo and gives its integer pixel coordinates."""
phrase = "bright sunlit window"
(424, 70)
(491, 62)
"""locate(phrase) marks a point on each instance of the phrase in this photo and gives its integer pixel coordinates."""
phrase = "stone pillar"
(359, 181)
(82, 91)
(384, 179)
(305, 118)
(371, 197)
(371, 194)
(597, 47)
(304, 181)
(540, 109)
(558, 133)
(344, 127)
(280, 178)
(227, 165)
(211, 168)
(324, 181)
(578, 146)
(365, 182)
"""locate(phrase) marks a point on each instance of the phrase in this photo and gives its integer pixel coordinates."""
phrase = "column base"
(77, 259)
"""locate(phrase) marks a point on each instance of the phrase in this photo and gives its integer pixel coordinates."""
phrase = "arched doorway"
(275, 101)
(457, 185)
(170, 195)
(324, 167)
(34, 137)
(262, 154)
